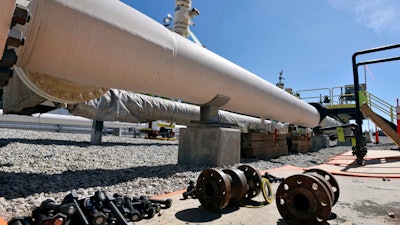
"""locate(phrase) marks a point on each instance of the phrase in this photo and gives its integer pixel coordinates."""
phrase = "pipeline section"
(109, 44)
(217, 188)
(129, 107)
(119, 105)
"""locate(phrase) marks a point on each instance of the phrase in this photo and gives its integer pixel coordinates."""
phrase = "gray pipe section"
(109, 44)
(59, 119)
(123, 106)
(117, 105)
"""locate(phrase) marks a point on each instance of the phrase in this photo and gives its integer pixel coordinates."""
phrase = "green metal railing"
(340, 97)
(382, 106)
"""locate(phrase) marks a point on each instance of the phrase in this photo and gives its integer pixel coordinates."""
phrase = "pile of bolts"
(100, 209)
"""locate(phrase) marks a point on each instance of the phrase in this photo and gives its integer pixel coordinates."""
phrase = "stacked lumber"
(300, 143)
(263, 145)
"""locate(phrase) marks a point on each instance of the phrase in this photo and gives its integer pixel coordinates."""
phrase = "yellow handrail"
(337, 97)
(384, 107)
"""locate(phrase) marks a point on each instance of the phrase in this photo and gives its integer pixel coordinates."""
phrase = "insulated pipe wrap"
(108, 44)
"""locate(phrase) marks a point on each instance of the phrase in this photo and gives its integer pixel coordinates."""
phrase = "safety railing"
(344, 97)
(336, 97)
(382, 106)
(321, 95)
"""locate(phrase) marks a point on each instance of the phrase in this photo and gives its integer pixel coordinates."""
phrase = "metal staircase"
(386, 110)
(385, 125)
(349, 106)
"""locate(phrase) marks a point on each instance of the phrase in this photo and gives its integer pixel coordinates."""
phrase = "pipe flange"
(213, 189)
(303, 199)
(331, 179)
(239, 185)
(58, 89)
(327, 185)
(253, 180)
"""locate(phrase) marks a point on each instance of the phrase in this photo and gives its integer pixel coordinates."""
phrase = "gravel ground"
(37, 165)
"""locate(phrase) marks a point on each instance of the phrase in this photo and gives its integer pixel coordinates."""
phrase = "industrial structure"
(106, 61)
(144, 56)
(165, 57)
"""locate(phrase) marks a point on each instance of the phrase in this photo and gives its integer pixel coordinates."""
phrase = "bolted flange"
(239, 184)
(216, 189)
(307, 198)
(331, 179)
(213, 189)
(253, 180)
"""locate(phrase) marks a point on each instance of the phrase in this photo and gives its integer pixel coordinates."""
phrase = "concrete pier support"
(209, 145)
(319, 142)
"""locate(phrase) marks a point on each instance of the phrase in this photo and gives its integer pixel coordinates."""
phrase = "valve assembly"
(307, 198)
(217, 188)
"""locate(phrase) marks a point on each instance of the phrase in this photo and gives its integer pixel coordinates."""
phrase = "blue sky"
(311, 41)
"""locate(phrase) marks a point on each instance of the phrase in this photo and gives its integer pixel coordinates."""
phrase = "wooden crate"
(300, 144)
(263, 146)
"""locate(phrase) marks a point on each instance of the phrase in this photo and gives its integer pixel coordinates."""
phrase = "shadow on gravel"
(5, 142)
(16, 185)
(201, 215)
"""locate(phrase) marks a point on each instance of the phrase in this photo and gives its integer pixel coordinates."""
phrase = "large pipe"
(109, 44)
(57, 119)
(118, 105)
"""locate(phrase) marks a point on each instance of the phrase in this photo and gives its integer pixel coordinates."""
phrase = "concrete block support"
(214, 146)
(347, 142)
(319, 142)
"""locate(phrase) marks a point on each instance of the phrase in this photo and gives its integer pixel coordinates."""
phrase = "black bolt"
(73, 198)
(157, 207)
(96, 217)
(109, 201)
(21, 15)
(20, 221)
(9, 58)
(142, 203)
(167, 202)
(149, 213)
(67, 209)
(15, 38)
(133, 214)
(190, 191)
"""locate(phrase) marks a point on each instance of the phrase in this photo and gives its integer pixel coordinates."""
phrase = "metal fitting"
(307, 198)
(217, 188)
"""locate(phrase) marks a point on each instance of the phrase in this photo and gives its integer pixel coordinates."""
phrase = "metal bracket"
(209, 111)
(97, 132)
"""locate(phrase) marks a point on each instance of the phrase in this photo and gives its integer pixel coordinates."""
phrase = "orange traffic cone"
(376, 136)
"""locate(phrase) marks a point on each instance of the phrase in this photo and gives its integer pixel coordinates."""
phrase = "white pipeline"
(49, 119)
(109, 44)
